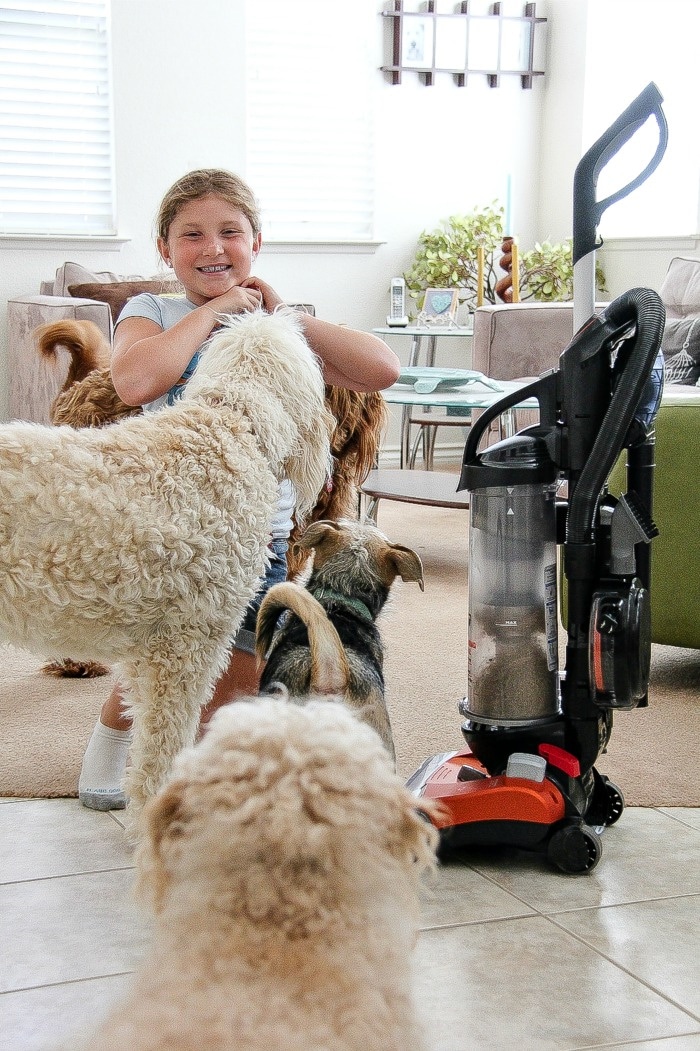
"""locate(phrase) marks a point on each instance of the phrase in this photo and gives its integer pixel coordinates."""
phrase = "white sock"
(104, 764)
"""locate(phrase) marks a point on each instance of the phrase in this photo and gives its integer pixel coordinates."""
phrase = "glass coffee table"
(435, 488)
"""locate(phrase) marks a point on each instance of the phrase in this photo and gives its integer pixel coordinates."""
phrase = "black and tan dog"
(330, 644)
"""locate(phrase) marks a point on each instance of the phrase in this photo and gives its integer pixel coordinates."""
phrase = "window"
(55, 119)
(632, 42)
(309, 118)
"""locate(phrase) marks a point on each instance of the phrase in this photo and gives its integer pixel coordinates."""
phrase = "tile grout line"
(65, 875)
(68, 981)
(625, 970)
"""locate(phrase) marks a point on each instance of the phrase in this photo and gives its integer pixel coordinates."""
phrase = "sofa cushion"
(116, 293)
(680, 290)
(681, 350)
(74, 274)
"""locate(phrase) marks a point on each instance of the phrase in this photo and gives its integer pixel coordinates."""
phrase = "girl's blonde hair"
(201, 183)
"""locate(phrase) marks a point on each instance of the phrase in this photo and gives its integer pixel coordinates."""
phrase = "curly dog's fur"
(92, 402)
(87, 399)
(144, 542)
(283, 861)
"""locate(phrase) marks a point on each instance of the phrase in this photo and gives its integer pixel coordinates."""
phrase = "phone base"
(397, 322)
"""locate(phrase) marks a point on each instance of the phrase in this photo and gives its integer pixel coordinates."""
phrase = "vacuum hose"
(643, 307)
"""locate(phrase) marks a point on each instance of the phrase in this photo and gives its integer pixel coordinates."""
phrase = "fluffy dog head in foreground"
(283, 860)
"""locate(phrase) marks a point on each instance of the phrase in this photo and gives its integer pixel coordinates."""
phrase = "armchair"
(520, 341)
(74, 293)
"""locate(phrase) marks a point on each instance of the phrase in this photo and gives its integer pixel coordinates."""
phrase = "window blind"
(309, 136)
(56, 172)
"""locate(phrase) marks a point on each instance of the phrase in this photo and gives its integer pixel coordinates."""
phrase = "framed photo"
(440, 304)
(451, 44)
(417, 42)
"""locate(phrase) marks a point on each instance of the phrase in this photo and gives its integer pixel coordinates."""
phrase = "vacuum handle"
(588, 211)
(543, 389)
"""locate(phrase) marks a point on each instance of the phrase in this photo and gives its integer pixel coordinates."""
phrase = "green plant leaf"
(446, 257)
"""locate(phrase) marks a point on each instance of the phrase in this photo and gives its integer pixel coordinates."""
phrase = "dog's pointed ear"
(316, 533)
(406, 564)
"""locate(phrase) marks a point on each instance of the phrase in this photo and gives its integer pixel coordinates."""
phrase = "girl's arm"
(147, 361)
(357, 360)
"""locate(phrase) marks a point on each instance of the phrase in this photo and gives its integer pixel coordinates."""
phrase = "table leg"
(405, 444)
(507, 428)
(405, 450)
(413, 360)
(414, 353)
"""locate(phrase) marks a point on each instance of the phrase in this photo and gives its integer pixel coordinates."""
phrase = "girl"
(208, 232)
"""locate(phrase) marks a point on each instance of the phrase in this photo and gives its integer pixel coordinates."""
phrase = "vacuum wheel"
(615, 802)
(575, 848)
(607, 804)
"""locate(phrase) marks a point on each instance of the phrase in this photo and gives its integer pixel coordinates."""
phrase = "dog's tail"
(330, 673)
(84, 341)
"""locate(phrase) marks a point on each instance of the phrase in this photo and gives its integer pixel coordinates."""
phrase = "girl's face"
(210, 246)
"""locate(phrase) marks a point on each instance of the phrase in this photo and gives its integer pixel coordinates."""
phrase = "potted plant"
(446, 257)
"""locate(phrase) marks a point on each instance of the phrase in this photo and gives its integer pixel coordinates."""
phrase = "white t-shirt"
(166, 311)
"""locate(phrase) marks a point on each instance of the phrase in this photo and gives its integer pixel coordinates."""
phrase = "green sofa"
(675, 552)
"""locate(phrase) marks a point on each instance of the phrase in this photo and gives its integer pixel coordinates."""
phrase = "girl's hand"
(238, 300)
(270, 299)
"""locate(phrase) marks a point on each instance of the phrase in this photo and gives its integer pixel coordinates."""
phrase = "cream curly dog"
(142, 542)
(283, 861)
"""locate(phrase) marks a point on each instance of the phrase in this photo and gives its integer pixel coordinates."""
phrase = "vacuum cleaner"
(534, 732)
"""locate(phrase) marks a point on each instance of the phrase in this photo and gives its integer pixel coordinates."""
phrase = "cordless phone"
(397, 317)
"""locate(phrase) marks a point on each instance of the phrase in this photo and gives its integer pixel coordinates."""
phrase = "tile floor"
(511, 954)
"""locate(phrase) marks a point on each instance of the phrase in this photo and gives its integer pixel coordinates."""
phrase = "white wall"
(179, 92)
(628, 263)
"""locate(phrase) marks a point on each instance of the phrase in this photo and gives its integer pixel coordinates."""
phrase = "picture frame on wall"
(417, 43)
(440, 305)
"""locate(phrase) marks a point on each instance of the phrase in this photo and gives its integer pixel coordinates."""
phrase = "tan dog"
(88, 397)
(331, 644)
(283, 860)
(144, 542)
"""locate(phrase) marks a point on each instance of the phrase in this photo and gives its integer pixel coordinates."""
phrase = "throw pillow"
(116, 293)
(681, 350)
(75, 274)
(680, 289)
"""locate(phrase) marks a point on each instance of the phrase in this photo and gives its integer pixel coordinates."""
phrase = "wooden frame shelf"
(462, 44)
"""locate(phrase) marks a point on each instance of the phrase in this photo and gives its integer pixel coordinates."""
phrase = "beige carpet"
(653, 754)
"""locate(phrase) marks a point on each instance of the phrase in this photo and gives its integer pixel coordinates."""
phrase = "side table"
(424, 340)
